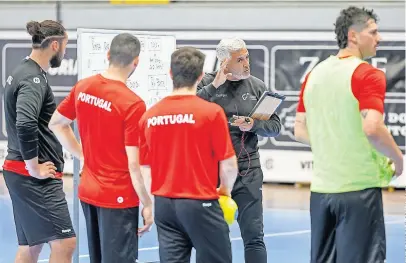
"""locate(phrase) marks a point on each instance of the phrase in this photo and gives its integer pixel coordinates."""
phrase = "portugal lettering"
(95, 101)
(171, 119)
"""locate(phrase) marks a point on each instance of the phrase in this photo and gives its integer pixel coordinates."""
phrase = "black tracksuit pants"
(247, 193)
(183, 224)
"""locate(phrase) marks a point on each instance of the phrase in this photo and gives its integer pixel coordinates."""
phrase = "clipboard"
(266, 105)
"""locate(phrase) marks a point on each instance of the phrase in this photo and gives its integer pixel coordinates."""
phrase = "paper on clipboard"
(266, 106)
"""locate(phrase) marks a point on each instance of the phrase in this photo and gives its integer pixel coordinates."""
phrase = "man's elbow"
(232, 166)
(371, 129)
(55, 128)
(133, 165)
(26, 128)
(58, 121)
(229, 165)
(299, 134)
(278, 128)
(52, 127)
(296, 134)
(135, 170)
(274, 131)
(373, 124)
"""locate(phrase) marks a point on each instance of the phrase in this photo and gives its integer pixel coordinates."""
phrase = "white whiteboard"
(151, 80)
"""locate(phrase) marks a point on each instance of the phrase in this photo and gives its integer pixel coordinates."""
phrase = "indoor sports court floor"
(286, 220)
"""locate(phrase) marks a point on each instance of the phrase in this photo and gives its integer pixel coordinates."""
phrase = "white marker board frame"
(140, 68)
(76, 162)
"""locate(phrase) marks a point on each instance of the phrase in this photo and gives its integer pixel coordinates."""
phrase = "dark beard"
(55, 61)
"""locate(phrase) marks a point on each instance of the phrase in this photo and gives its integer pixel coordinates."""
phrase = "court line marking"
(291, 233)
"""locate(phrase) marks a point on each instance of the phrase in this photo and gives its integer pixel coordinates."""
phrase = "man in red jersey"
(183, 139)
(111, 185)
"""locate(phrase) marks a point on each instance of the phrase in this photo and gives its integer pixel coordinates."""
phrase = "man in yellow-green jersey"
(340, 116)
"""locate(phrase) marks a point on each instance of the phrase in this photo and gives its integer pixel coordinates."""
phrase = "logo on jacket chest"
(248, 96)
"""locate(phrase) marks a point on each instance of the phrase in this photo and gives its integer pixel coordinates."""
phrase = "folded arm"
(267, 128)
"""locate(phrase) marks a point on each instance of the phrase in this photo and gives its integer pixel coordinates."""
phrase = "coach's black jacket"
(239, 98)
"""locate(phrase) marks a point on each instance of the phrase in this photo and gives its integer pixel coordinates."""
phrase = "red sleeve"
(369, 87)
(300, 105)
(67, 106)
(220, 137)
(143, 143)
(131, 120)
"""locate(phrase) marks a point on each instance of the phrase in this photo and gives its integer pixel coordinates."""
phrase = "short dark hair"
(186, 66)
(124, 48)
(43, 33)
(351, 17)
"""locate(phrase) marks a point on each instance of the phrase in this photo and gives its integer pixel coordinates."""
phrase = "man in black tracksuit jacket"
(237, 92)
(34, 164)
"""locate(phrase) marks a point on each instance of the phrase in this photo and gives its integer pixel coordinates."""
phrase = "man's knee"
(27, 253)
(252, 235)
(65, 246)
(251, 227)
(31, 252)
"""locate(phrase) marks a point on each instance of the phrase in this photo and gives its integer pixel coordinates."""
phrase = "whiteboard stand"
(76, 170)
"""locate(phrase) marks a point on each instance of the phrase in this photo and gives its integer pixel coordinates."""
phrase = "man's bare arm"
(60, 126)
(301, 133)
(146, 174)
(228, 174)
(379, 136)
(136, 176)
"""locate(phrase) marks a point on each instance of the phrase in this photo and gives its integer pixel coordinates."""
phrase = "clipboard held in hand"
(267, 105)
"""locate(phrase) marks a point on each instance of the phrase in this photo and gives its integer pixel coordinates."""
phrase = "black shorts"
(184, 223)
(40, 209)
(348, 227)
(112, 234)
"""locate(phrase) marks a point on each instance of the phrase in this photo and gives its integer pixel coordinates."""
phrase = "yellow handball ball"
(229, 207)
(387, 168)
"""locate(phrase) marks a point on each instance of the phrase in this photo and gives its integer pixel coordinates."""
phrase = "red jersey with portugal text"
(183, 139)
(107, 113)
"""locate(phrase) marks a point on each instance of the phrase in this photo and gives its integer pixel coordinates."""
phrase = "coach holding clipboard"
(237, 92)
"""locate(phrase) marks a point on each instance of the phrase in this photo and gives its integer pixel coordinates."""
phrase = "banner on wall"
(280, 59)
